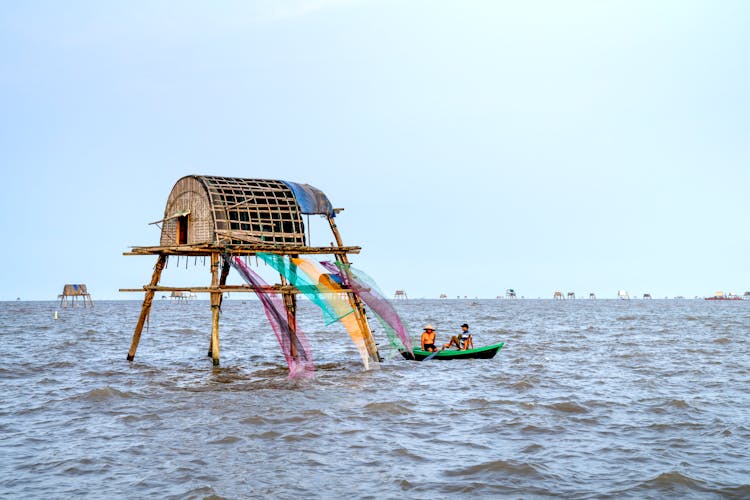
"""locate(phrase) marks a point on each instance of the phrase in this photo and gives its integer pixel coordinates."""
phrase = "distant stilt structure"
(592, 295)
(647, 296)
(75, 292)
(443, 296)
(510, 293)
(179, 296)
(746, 295)
(623, 295)
(571, 295)
(400, 294)
(558, 295)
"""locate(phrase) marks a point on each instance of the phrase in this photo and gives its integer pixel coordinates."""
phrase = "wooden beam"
(206, 250)
(227, 288)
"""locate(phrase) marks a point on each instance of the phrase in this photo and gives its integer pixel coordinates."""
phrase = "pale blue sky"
(583, 146)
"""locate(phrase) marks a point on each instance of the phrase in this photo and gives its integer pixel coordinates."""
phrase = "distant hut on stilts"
(224, 218)
(74, 292)
(180, 296)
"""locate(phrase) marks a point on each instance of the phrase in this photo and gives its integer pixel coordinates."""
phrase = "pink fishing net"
(294, 344)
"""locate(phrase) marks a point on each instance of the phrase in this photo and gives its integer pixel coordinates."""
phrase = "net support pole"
(225, 266)
(146, 308)
(359, 308)
(215, 308)
(290, 303)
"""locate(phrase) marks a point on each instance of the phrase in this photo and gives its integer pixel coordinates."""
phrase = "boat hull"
(485, 352)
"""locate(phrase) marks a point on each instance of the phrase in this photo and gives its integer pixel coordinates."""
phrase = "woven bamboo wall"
(188, 196)
(221, 210)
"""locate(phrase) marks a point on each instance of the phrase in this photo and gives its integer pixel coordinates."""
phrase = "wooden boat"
(485, 352)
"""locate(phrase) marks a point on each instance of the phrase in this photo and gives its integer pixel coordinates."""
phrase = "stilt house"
(218, 216)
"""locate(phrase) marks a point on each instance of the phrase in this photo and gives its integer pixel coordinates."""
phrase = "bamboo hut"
(74, 292)
(214, 217)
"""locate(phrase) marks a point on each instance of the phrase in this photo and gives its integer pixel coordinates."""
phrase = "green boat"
(485, 352)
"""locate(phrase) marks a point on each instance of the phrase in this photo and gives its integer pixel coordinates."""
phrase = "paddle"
(432, 355)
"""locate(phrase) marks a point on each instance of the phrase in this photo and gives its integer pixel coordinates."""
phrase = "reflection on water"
(587, 399)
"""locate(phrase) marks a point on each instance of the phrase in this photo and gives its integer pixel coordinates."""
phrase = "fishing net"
(294, 344)
(307, 285)
(322, 291)
(366, 288)
(339, 302)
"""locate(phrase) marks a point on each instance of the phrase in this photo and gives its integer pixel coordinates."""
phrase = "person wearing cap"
(462, 341)
(466, 340)
(428, 339)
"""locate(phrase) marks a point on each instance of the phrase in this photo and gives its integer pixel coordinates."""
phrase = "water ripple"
(588, 399)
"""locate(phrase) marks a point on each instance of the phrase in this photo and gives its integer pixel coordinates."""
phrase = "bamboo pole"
(290, 303)
(359, 308)
(222, 281)
(215, 308)
(229, 288)
(146, 309)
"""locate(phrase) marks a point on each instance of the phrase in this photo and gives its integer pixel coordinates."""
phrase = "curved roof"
(213, 209)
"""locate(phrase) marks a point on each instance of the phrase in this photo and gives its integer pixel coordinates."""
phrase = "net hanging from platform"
(294, 345)
(307, 285)
(324, 292)
(367, 290)
(339, 301)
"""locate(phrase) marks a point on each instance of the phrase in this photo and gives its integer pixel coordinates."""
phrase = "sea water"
(588, 399)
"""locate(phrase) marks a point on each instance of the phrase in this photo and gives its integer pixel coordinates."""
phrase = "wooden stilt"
(146, 309)
(225, 266)
(290, 303)
(359, 308)
(215, 308)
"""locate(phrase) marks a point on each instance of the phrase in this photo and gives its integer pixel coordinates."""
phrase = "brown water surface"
(588, 399)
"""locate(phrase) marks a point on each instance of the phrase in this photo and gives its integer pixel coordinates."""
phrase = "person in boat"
(428, 339)
(462, 341)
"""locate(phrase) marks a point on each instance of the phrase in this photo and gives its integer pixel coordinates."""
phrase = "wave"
(387, 408)
(568, 407)
(141, 418)
(533, 429)
(677, 403)
(493, 467)
(673, 482)
(226, 440)
(303, 436)
(406, 453)
(522, 384)
(104, 394)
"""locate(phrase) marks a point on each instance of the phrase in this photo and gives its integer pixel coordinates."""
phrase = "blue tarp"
(311, 200)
